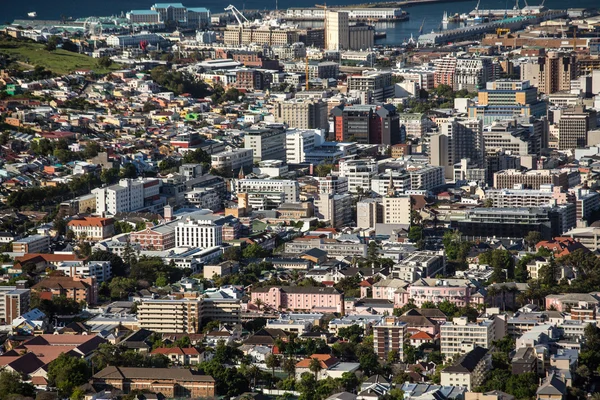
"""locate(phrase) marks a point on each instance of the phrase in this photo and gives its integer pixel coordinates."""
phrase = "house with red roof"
(561, 246)
(330, 366)
(180, 355)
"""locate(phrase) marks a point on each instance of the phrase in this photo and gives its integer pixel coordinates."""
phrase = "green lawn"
(58, 61)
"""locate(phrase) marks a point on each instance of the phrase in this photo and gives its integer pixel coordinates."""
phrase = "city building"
(333, 247)
(75, 288)
(389, 334)
(14, 302)
(469, 371)
(374, 124)
(335, 208)
(169, 315)
(126, 196)
(32, 244)
(168, 382)
(92, 228)
(532, 179)
(266, 143)
(233, 160)
(299, 142)
(302, 113)
(551, 72)
(461, 336)
(458, 139)
(337, 30)
(507, 99)
(100, 270)
(376, 85)
(359, 173)
(573, 127)
(299, 298)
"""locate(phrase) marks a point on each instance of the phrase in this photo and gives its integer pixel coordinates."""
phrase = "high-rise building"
(337, 30)
(507, 99)
(302, 113)
(337, 208)
(552, 72)
(368, 124)
(458, 139)
(389, 335)
(266, 143)
(462, 73)
(397, 209)
(128, 195)
(299, 142)
(573, 127)
(377, 86)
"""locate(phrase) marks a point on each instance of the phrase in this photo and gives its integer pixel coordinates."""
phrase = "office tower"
(573, 127)
(377, 86)
(552, 72)
(302, 113)
(457, 139)
(507, 99)
(366, 124)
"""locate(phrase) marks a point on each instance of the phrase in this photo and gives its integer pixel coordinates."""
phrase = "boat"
(380, 35)
(32, 14)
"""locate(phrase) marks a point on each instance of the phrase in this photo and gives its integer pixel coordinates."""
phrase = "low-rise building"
(92, 228)
(469, 371)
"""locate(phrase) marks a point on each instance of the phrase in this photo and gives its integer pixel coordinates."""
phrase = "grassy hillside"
(25, 54)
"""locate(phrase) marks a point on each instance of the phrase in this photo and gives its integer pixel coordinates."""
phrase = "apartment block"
(531, 179)
(460, 292)
(126, 196)
(469, 371)
(377, 85)
(170, 315)
(299, 142)
(233, 160)
(389, 334)
(397, 210)
(366, 124)
(100, 270)
(299, 298)
(461, 336)
(336, 208)
(331, 246)
(359, 173)
(552, 72)
(14, 302)
(32, 244)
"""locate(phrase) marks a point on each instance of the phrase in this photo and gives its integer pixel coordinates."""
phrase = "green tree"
(128, 171)
(254, 251)
(272, 361)
(67, 372)
(315, 367)
(11, 385)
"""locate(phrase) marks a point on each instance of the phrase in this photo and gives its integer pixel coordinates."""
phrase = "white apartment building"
(332, 184)
(511, 198)
(401, 181)
(101, 270)
(299, 142)
(425, 177)
(204, 197)
(198, 233)
(126, 196)
(359, 173)
(169, 315)
(288, 188)
(32, 244)
(232, 160)
(461, 336)
(397, 210)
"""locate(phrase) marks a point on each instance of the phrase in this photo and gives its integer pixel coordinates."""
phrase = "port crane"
(237, 14)
(421, 27)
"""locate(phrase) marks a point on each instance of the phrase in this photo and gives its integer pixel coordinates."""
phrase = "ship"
(32, 14)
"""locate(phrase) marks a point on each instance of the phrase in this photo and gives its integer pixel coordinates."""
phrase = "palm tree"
(315, 367)
(253, 371)
(258, 303)
(272, 361)
(289, 366)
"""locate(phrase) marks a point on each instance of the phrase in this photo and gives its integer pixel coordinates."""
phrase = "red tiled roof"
(326, 360)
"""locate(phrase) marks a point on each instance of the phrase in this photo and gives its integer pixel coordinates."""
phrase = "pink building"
(461, 292)
(566, 302)
(298, 298)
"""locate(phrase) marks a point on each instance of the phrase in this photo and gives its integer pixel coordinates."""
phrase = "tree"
(289, 366)
(314, 366)
(323, 170)
(410, 353)
(116, 263)
(533, 238)
(104, 62)
(254, 251)
(128, 171)
(109, 176)
(488, 203)
(415, 233)
(52, 43)
(67, 372)
(231, 253)
(272, 361)
(69, 46)
(11, 385)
